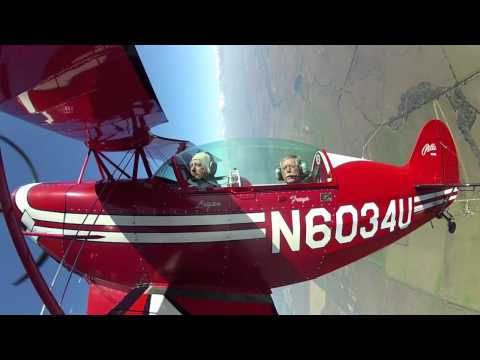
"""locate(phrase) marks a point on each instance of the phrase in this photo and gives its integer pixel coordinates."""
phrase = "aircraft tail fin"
(434, 160)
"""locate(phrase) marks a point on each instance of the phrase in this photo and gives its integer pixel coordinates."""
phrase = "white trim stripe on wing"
(160, 238)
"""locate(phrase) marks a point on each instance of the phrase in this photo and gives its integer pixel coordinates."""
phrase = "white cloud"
(221, 98)
(221, 102)
(216, 49)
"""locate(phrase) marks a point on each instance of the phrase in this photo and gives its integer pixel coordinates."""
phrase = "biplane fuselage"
(246, 239)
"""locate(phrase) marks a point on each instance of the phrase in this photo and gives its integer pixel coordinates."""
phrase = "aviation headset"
(211, 163)
(301, 165)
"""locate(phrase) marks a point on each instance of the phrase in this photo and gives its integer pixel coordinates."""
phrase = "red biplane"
(153, 245)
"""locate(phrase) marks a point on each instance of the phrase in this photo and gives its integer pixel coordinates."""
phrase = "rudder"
(434, 158)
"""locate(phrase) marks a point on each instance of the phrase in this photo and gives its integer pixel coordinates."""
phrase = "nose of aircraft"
(21, 207)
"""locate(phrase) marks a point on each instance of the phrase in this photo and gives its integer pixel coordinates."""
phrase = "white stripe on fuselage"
(119, 220)
(431, 204)
(453, 197)
(338, 160)
(434, 195)
(159, 238)
(428, 205)
(130, 220)
(171, 220)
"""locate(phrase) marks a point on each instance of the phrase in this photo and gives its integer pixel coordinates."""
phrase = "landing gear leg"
(452, 226)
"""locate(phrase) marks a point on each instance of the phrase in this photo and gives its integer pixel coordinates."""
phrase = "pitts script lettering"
(319, 221)
(428, 148)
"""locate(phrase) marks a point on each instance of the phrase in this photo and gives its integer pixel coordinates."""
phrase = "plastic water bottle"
(234, 177)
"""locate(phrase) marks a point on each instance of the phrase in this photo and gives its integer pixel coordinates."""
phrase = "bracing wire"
(151, 157)
(85, 239)
(71, 242)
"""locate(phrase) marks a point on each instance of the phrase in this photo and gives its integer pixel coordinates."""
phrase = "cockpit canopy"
(245, 162)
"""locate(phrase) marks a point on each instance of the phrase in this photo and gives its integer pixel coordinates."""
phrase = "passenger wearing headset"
(202, 171)
(292, 170)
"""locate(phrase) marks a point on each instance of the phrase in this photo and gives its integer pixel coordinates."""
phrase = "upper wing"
(163, 148)
(97, 94)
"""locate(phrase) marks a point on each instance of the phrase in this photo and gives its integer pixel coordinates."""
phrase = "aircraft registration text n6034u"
(319, 221)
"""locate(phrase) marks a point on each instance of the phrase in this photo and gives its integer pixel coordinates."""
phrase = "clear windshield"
(254, 161)
(166, 173)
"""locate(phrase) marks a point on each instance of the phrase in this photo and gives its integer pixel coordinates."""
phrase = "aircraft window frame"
(325, 160)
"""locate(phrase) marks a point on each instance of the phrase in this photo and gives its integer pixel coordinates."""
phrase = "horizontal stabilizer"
(460, 187)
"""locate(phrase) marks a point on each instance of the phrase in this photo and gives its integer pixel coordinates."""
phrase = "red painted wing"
(155, 301)
(93, 93)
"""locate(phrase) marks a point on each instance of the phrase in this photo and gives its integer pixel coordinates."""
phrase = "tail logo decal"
(429, 148)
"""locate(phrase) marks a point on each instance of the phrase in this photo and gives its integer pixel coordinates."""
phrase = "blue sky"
(185, 79)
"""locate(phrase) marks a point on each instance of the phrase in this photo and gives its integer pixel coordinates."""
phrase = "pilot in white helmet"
(202, 170)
